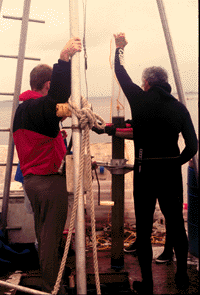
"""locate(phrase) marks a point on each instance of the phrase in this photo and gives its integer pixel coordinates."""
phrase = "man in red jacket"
(40, 149)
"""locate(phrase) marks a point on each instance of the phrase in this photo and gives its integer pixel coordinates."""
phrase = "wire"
(84, 44)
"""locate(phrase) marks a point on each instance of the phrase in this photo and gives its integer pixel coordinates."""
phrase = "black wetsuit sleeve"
(60, 87)
(59, 92)
(130, 89)
(190, 138)
(40, 114)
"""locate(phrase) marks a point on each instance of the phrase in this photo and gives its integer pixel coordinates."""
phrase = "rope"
(87, 119)
(86, 115)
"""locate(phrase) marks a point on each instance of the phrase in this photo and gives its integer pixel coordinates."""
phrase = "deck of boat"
(117, 282)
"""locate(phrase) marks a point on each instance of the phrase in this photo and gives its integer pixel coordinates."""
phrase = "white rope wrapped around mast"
(87, 119)
(86, 115)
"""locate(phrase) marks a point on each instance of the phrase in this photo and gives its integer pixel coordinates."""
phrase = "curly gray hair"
(155, 75)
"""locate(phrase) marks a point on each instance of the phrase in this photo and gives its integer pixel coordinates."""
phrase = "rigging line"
(84, 44)
(114, 79)
(119, 103)
(110, 54)
(112, 87)
(112, 67)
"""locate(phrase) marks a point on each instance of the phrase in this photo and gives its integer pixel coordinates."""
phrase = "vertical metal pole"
(174, 65)
(117, 232)
(171, 50)
(18, 80)
(1, 2)
(76, 137)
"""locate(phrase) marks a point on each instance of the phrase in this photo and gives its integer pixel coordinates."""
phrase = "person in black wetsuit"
(157, 120)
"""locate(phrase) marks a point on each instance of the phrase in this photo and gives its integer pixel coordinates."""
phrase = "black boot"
(165, 257)
(142, 288)
(182, 280)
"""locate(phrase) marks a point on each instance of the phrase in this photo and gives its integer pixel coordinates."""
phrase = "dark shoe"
(165, 257)
(142, 288)
(182, 281)
(131, 249)
(5, 266)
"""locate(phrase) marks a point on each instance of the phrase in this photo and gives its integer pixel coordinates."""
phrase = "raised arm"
(130, 89)
(60, 88)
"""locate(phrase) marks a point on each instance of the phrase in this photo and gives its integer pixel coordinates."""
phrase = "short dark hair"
(155, 75)
(39, 76)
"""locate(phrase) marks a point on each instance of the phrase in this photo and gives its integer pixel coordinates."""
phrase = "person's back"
(158, 118)
(38, 139)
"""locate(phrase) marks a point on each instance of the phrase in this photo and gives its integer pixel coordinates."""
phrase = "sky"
(139, 20)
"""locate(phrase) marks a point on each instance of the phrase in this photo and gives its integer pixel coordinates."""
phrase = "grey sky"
(139, 20)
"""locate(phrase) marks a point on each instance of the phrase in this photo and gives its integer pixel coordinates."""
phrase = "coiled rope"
(87, 119)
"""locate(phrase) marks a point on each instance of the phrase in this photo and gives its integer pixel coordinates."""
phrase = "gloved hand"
(98, 131)
(120, 40)
(129, 122)
(110, 130)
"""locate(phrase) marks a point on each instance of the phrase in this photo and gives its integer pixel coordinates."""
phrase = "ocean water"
(102, 107)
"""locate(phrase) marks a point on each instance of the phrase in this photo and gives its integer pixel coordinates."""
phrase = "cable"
(84, 45)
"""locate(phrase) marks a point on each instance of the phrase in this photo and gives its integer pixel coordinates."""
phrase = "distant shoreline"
(99, 97)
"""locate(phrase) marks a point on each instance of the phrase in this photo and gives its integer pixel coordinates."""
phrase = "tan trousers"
(49, 200)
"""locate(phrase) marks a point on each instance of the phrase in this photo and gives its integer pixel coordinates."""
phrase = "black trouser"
(49, 200)
(163, 181)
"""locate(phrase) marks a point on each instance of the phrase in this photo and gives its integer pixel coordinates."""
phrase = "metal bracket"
(117, 166)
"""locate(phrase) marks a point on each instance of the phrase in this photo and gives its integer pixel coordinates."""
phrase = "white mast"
(76, 137)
